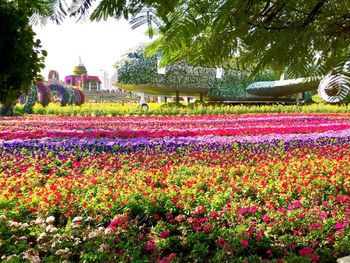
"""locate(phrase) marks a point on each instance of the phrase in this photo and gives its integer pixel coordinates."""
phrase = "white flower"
(32, 256)
(108, 230)
(41, 236)
(103, 248)
(2, 217)
(88, 219)
(51, 229)
(12, 224)
(92, 234)
(50, 219)
(77, 241)
(77, 219)
(39, 221)
(62, 252)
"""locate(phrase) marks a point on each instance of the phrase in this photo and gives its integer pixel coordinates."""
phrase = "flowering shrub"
(231, 188)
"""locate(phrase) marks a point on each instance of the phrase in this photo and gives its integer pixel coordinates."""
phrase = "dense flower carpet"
(230, 188)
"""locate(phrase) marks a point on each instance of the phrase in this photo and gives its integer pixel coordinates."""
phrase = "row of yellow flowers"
(117, 109)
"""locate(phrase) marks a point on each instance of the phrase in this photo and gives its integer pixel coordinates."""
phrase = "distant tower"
(80, 69)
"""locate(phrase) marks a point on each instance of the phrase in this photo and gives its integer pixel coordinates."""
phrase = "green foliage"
(21, 57)
(143, 70)
(244, 34)
(258, 34)
(30, 99)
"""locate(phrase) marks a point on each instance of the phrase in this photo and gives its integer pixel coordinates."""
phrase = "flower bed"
(175, 189)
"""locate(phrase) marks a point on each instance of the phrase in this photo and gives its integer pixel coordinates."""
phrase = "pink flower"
(117, 240)
(197, 228)
(252, 210)
(306, 251)
(214, 215)
(259, 235)
(189, 220)
(180, 218)
(150, 246)
(242, 210)
(323, 215)
(200, 209)
(207, 228)
(266, 219)
(340, 225)
(164, 234)
(301, 216)
(315, 258)
(244, 242)
(315, 226)
(172, 256)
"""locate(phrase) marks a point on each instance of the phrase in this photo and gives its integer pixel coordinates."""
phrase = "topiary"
(30, 99)
(77, 97)
(71, 95)
(44, 95)
(59, 94)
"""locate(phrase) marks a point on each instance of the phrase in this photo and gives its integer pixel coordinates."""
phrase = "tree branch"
(314, 12)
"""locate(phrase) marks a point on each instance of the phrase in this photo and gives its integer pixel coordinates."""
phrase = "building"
(81, 79)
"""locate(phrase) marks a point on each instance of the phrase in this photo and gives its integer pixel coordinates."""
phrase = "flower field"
(211, 188)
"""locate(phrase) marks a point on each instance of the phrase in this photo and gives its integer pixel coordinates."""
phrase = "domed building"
(81, 79)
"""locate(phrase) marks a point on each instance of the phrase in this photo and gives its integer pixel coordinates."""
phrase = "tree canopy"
(21, 58)
(21, 54)
(300, 35)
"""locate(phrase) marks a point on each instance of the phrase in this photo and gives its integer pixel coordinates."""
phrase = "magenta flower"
(266, 218)
(242, 210)
(164, 234)
(244, 242)
(214, 214)
(306, 251)
(252, 210)
(150, 246)
(323, 215)
(340, 225)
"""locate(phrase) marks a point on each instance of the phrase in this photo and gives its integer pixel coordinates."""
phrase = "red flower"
(244, 242)
(222, 241)
(156, 216)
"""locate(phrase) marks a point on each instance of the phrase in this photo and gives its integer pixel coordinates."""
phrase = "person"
(142, 103)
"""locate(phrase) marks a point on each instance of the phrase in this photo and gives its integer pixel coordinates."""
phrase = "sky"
(99, 44)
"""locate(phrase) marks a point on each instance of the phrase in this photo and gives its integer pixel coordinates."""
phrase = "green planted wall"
(142, 70)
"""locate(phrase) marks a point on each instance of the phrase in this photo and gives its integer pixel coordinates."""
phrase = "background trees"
(304, 36)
